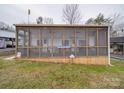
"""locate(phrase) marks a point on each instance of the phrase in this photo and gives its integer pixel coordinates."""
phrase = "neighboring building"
(7, 38)
(117, 30)
(55, 43)
(117, 45)
(7, 35)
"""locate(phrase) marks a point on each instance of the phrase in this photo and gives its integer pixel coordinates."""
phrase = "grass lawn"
(23, 74)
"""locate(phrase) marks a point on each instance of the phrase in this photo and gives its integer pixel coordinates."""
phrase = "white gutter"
(109, 63)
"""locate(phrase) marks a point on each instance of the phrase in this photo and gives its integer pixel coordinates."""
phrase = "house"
(117, 45)
(56, 42)
(7, 38)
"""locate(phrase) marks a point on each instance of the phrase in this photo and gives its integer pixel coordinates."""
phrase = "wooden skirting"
(98, 60)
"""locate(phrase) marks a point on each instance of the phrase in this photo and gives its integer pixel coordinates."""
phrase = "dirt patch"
(105, 80)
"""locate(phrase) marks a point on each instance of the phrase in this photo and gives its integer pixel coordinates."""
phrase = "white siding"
(7, 34)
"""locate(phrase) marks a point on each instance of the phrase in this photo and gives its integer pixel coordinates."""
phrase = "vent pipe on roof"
(29, 12)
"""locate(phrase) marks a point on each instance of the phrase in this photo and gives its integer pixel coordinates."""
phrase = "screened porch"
(62, 41)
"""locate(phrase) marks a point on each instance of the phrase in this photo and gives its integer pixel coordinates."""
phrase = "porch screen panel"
(23, 51)
(57, 42)
(103, 51)
(45, 42)
(68, 43)
(102, 37)
(81, 51)
(91, 41)
(34, 42)
(21, 38)
(34, 52)
(92, 51)
(22, 42)
(102, 42)
(81, 42)
(45, 38)
(26, 38)
(45, 52)
(34, 37)
(81, 38)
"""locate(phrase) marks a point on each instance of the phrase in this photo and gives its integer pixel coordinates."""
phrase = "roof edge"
(57, 25)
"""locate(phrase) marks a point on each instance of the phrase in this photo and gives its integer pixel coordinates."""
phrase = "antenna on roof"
(29, 12)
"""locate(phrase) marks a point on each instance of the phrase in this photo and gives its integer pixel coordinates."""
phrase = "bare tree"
(117, 24)
(115, 18)
(47, 20)
(71, 14)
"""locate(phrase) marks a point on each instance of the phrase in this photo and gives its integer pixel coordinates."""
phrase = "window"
(65, 43)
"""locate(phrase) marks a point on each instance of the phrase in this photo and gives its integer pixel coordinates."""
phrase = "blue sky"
(17, 13)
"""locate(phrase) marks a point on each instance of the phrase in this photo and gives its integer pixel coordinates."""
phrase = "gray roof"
(117, 40)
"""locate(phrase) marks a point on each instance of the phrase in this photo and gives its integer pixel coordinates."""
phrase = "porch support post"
(52, 35)
(24, 37)
(28, 49)
(123, 49)
(97, 42)
(86, 39)
(63, 39)
(39, 41)
(16, 41)
(75, 41)
(109, 45)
